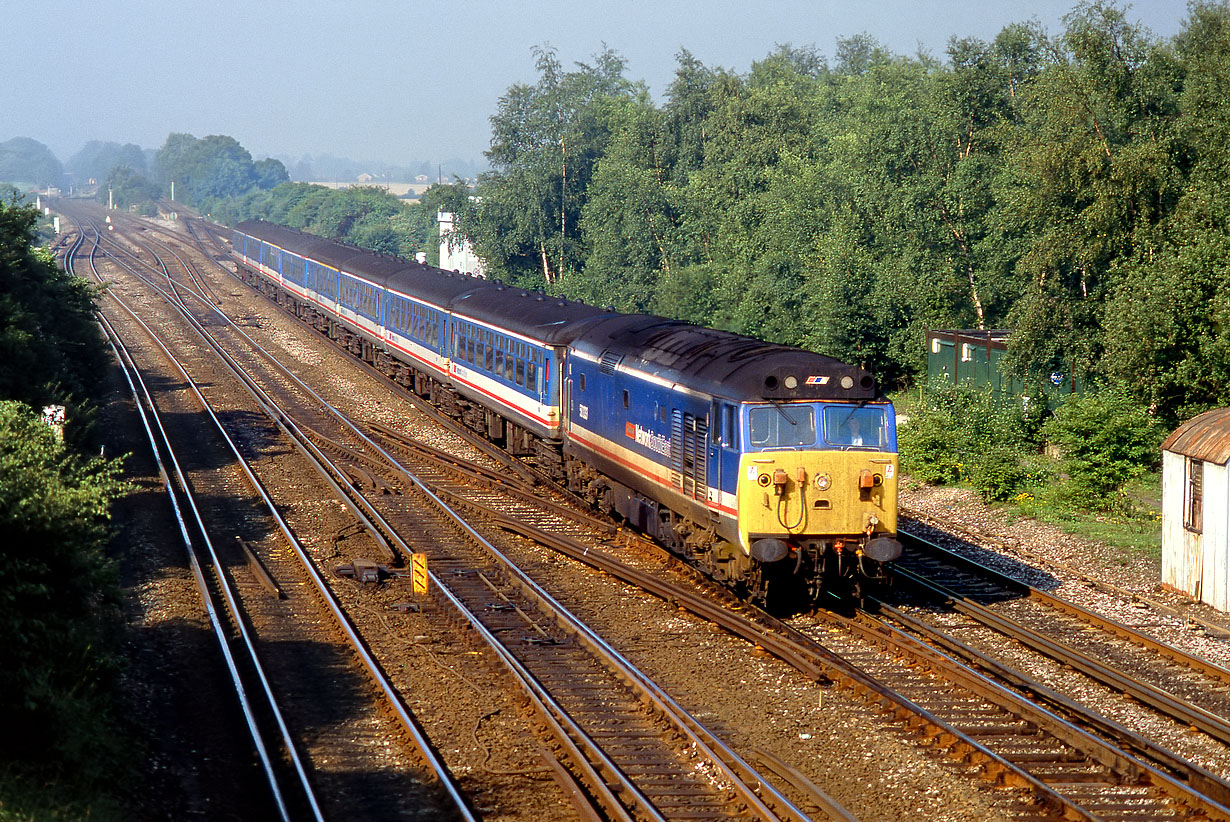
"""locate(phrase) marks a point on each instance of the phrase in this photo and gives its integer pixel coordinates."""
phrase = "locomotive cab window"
(781, 426)
(853, 427)
(625, 398)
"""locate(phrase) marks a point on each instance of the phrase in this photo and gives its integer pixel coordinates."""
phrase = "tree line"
(60, 602)
(1065, 187)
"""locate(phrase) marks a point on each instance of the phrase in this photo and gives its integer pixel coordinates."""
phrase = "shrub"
(961, 433)
(927, 449)
(1106, 440)
(60, 598)
(998, 473)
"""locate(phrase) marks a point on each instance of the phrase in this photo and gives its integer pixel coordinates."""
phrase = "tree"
(1168, 319)
(1090, 176)
(97, 159)
(546, 141)
(59, 587)
(126, 187)
(213, 167)
(270, 173)
(23, 160)
(50, 348)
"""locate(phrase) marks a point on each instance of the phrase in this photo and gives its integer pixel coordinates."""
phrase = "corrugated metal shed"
(1196, 508)
(1205, 438)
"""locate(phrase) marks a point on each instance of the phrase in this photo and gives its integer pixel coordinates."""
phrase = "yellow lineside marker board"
(418, 574)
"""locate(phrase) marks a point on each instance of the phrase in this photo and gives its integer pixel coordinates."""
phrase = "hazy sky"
(412, 80)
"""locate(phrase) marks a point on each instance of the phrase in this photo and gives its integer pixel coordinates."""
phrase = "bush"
(60, 597)
(928, 450)
(1106, 440)
(958, 433)
(998, 473)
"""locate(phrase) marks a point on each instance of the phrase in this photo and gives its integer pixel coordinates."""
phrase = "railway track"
(303, 663)
(1116, 680)
(664, 764)
(1058, 769)
(1121, 784)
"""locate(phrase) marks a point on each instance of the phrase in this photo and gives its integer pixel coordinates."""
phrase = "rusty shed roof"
(1206, 437)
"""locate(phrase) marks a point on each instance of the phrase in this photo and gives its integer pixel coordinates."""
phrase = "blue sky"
(396, 82)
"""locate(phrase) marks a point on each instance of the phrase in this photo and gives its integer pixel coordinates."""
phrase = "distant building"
(973, 357)
(1196, 509)
(367, 178)
(455, 253)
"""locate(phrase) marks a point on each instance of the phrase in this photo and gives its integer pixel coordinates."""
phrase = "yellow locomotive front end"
(817, 490)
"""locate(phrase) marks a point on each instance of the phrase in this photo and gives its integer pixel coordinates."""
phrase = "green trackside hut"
(972, 357)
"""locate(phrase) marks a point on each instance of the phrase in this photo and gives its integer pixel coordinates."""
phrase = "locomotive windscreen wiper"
(782, 410)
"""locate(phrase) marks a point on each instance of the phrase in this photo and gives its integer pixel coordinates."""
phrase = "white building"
(455, 253)
(1196, 508)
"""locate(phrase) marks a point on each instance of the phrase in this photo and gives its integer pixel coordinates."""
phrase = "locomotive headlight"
(823, 482)
(847, 382)
(791, 382)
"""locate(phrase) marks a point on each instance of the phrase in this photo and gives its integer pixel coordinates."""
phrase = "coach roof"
(351, 259)
(547, 319)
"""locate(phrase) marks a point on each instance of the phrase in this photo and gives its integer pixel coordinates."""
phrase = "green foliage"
(998, 472)
(1068, 188)
(50, 348)
(213, 167)
(365, 216)
(125, 187)
(60, 602)
(23, 160)
(546, 142)
(96, 160)
(958, 434)
(58, 598)
(1107, 439)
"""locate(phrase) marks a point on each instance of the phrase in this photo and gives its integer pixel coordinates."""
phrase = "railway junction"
(295, 657)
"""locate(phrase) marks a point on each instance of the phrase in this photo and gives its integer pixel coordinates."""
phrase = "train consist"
(773, 466)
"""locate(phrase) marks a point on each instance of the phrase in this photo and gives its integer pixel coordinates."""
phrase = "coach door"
(689, 454)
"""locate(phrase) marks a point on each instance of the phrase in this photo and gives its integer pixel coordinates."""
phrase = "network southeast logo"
(654, 442)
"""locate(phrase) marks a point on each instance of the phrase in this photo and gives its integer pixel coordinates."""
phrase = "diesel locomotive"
(769, 466)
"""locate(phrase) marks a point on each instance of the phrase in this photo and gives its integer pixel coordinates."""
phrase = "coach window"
(531, 375)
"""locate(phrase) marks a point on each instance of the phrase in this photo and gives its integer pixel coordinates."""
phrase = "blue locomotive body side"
(654, 437)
